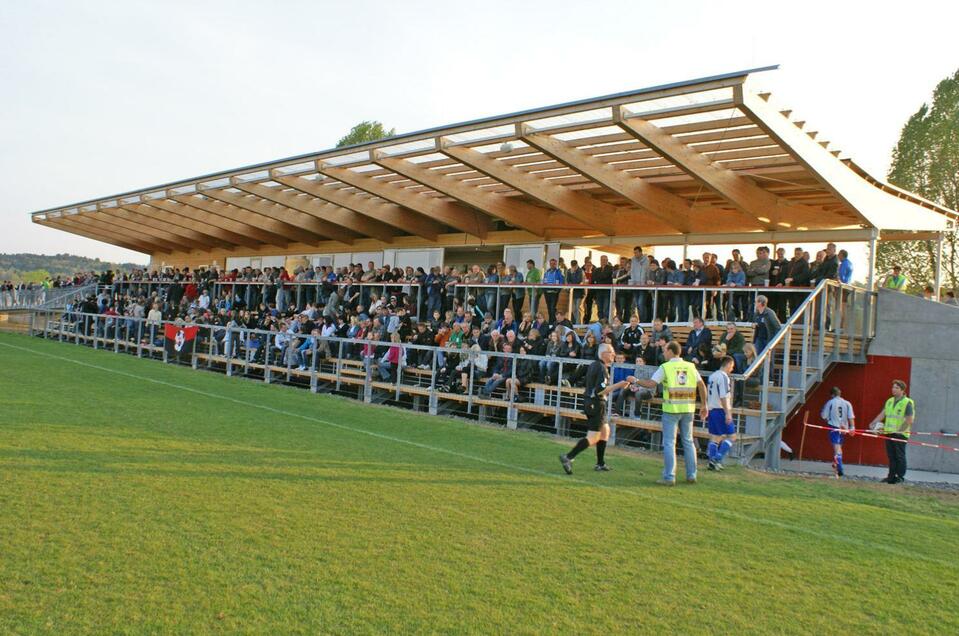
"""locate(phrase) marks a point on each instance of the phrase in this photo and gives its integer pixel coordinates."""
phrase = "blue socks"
(712, 450)
(838, 460)
(724, 448)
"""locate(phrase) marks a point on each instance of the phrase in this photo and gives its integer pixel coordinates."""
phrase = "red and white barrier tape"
(864, 433)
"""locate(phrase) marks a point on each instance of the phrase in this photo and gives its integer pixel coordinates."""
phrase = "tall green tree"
(926, 161)
(363, 132)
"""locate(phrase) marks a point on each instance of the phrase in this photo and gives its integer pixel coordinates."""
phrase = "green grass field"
(137, 497)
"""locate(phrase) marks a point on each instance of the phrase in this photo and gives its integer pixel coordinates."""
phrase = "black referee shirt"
(597, 377)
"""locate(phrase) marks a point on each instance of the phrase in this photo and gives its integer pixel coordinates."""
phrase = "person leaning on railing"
(767, 323)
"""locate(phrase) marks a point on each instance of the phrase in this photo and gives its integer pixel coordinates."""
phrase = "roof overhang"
(708, 156)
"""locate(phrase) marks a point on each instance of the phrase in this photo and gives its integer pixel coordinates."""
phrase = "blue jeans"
(640, 297)
(492, 385)
(685, 422)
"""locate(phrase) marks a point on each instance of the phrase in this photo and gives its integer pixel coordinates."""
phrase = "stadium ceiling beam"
(450, 213)
(226, 224)
(293, 218)
(593, 213)
(203, 231)
(136, 246)
(763, 206)
(792, 138)
(330, 212)
(389, 213)
(517, 213)
(121, 219)
(99, 227)
(187, 235)
(245, 219)
(669, 208)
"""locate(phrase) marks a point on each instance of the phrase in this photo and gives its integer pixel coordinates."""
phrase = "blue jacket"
(736, 278)
(845, 271)
(553, 277)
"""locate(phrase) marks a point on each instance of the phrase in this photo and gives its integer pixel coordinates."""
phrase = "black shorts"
(595, 412)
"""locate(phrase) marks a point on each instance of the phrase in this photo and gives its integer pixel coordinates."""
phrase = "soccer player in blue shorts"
(719, 401)
(841, 420)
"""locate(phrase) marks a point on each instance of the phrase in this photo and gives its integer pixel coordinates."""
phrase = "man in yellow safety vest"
(895, 280)
(896, 420)
(681, 381)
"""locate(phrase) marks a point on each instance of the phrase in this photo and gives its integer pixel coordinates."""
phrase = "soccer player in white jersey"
(839, 417)
(719, 401)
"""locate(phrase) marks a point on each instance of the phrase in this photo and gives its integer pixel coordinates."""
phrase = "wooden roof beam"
(119, 218)
(126, 244)
(448, 212)
(225, 224)
(292, 218)
(672, 210)
(591, 212)
(517, 213)
(201, 240)
(244, 219)
(762, 205)
(202, 231)
(389, 213)
(113, 230)
(335, 214)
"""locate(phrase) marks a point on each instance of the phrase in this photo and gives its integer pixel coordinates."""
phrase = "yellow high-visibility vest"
(679, 386)
(896, 282)
(894, 420)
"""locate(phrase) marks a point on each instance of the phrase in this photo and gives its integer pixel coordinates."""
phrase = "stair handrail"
(781, 334)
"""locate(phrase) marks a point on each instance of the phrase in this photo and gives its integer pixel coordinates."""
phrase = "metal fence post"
(313, 363)
(228, 350)
(433, 400)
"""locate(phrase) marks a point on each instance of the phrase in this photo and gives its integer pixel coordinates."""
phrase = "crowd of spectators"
(461, 319)
(30, 293)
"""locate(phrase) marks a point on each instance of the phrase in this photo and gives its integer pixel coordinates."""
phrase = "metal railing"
(720, 303)
(834, 324)
(40, 298)
(286, 293)
(547, 398)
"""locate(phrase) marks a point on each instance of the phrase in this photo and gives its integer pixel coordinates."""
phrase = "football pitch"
(138, 497)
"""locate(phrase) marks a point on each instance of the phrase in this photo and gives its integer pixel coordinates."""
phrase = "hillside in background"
(36, 267)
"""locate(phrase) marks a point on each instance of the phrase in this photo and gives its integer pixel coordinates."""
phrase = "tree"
(363, 132)
(35, 276)
(926, 162)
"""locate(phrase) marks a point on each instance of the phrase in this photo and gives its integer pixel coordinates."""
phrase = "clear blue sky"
(103, 97)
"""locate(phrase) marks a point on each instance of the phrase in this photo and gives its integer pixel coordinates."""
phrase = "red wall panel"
(867, 387)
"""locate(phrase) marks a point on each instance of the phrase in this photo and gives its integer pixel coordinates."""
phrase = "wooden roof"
(706, 156)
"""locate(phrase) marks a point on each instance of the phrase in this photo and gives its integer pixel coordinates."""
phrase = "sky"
(98, 98)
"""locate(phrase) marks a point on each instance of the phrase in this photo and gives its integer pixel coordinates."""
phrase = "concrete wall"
(927, 332)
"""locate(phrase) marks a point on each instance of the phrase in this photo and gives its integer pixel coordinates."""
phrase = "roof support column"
(870, 306)
(938, 283)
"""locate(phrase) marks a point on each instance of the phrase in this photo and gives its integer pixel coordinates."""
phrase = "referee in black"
(594, 407)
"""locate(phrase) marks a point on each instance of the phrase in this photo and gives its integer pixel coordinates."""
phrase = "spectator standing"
(767, 324)
(845, 268)
(896, 417)
(603, 275)
(639, 275)
(757, 272)
(576, 276)
(514, 277)
(552, 276)
(624, 298)
(533, 275)
(895, 280)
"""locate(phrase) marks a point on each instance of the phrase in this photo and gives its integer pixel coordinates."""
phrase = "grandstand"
(701, 162)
